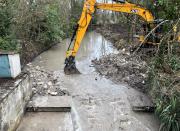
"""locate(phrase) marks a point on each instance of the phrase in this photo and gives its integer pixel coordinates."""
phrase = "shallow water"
(93, 46)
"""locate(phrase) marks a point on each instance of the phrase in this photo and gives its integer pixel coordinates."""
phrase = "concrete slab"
(50, 104)
(46, 121)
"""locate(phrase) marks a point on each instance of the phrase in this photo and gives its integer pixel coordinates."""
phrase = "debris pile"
(123, 67)
(45, 82)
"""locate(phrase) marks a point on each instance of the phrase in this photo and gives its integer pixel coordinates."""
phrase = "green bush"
(44, 22)
(8, 41)
(174, 62)
(50, 27)
(168, 9)
(5, 18)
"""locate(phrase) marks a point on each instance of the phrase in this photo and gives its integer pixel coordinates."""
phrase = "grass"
(169, 114)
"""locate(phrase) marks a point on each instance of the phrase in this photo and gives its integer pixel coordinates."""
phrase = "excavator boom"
(128, 8)
(88, 10)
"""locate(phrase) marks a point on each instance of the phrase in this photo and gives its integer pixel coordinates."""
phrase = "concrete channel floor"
(48, 113)
(46, 121)
(51, 113)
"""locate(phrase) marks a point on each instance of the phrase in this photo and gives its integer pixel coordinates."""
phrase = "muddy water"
(98, 103)
(93, 46)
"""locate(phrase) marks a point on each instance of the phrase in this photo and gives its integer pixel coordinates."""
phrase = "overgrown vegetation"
(30, 26)
(167, 9)
(164, 85)
(7, 37)
(164, 71)
(44, 22)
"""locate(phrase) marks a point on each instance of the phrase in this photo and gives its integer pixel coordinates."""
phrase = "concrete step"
(50, 104)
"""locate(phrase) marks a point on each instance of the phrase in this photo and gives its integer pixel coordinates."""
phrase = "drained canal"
(98, 103)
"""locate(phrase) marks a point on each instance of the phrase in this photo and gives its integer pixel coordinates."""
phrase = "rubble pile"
(45, 82)
(123, 67)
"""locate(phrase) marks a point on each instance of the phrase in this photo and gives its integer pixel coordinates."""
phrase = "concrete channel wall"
(13, 99)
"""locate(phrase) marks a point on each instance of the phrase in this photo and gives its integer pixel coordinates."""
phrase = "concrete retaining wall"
(13, 101)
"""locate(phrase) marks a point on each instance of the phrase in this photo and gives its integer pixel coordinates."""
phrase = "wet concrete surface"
(46, 121)
(98, 103)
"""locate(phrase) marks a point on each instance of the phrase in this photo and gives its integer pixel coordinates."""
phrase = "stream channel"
(98, 103)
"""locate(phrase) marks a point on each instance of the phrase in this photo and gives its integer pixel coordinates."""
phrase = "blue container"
(9, 65)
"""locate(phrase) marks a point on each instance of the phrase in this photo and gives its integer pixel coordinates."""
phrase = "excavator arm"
(86, 16)
(89, 8)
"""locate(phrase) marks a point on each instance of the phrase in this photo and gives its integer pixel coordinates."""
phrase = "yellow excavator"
(88, 10)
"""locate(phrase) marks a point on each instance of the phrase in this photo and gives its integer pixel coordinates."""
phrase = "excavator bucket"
(69, 70)
(70, 66)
